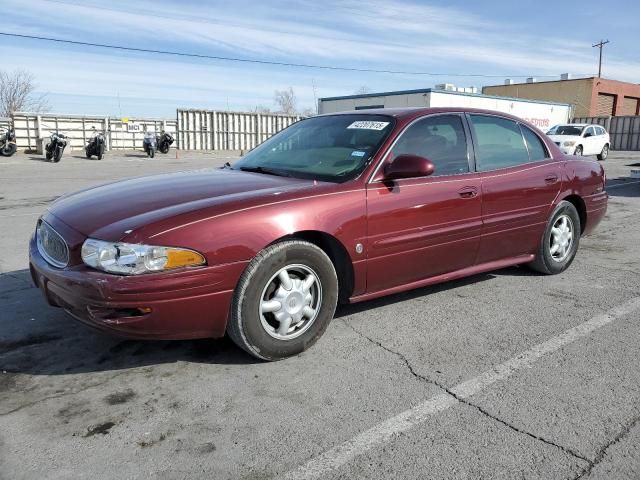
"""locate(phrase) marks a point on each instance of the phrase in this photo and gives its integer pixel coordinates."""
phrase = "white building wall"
(543, 115)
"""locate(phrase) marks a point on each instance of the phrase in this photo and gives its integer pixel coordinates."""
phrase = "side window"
(500, 143)
(589, 132)
(441, 139)
(537, 149)
(601, 131)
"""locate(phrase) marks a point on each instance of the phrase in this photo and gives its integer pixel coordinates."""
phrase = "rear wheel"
(57, 156)
(284, 300)
(9, 149)
(560, 241)
(604, 153)
(88, 153)
(101, 152)
(578, 151)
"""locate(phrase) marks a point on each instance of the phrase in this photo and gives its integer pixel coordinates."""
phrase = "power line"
(261, 62)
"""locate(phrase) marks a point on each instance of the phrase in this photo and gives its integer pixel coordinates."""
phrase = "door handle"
(468, 192)
(551, 179)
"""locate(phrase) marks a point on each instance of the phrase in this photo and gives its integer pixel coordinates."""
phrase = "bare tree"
(363, 90)
(286, 101)
(308, 112)
(261, 109)
(17, 93)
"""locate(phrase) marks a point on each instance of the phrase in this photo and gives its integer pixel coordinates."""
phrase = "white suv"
(581, 139)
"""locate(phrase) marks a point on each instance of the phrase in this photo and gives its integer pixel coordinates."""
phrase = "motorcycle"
(164, 141)
(55, 147)
(96, 146)
(150, 144)
(8, 143)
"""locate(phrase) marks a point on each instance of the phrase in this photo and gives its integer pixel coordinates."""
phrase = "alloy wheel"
(561, 238)
(290, 302)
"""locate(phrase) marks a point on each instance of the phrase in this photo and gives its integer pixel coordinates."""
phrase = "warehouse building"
(592, 97)
(543, 114)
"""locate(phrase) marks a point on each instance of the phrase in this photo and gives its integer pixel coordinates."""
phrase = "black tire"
(578, 151)
(545, 261)
(57, 156)
(87, 154)
(604, 153)
(48, 156)
(9, 149)
(245, 325)
(101, 152)
(164, 148)
(152, 152)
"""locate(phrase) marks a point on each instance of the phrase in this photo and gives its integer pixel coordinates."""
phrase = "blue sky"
(504, 38)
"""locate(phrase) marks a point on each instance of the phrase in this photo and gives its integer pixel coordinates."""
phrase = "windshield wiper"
(267, 170)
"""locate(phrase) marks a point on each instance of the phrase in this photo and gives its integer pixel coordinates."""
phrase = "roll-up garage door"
(605, 104)
(630, 106)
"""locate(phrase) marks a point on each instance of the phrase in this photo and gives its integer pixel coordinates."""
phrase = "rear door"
(519, 185)
(426, 226)
(591, 141)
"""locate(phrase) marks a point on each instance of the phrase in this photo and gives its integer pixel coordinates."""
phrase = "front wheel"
(604, 153)
(152, 152)
(164, 148)
(578, 151)
(560, 241)
(284, 300)
(101, 152)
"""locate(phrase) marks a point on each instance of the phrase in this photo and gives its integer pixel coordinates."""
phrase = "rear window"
(500, 143)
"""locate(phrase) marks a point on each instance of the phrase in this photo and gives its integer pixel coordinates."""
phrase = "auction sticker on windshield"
(364, 125)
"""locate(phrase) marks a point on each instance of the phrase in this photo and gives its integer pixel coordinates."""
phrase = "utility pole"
(600, 45)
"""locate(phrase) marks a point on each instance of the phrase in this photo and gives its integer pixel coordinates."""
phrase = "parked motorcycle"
(96, 146)
(164, 141)
(55, 147)
(8, 142)
(150, 144)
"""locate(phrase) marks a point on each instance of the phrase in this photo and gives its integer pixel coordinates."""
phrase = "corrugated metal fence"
(194, 129)
(213, 130)
(121, 133)
(624, 130)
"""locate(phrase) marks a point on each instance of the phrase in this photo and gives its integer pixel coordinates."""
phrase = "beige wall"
(578, 92)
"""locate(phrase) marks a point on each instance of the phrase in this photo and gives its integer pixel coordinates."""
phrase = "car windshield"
(566, 130)
(334, 148)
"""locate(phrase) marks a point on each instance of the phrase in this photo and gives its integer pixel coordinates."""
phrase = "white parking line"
(339, 455)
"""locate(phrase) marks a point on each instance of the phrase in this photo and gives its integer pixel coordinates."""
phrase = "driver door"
(425, 226)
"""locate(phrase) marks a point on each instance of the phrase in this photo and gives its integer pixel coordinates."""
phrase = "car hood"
(564, 138)
(111, 211)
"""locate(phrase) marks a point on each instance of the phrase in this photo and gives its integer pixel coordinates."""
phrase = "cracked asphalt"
(78, 404)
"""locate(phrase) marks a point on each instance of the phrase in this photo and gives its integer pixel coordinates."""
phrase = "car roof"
(407, 113)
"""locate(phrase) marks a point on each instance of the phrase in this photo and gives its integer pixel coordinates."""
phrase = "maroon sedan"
(345, 207)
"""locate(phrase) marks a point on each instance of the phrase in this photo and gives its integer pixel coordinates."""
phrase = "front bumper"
(177, 305)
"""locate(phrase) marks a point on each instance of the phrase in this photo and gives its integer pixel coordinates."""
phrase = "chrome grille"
(51, 245)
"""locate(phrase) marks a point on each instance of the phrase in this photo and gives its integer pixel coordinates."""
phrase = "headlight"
(569, 143)
(134, 259)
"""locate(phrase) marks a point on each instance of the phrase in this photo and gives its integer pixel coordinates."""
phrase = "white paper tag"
(366, 125)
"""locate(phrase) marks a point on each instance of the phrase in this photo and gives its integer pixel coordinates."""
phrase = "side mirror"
(408, 166)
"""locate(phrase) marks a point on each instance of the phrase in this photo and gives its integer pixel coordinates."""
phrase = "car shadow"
(624, 187)
(38, 339)
(350, 309)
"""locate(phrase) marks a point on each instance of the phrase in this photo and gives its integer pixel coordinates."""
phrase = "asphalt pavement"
(508, 374)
